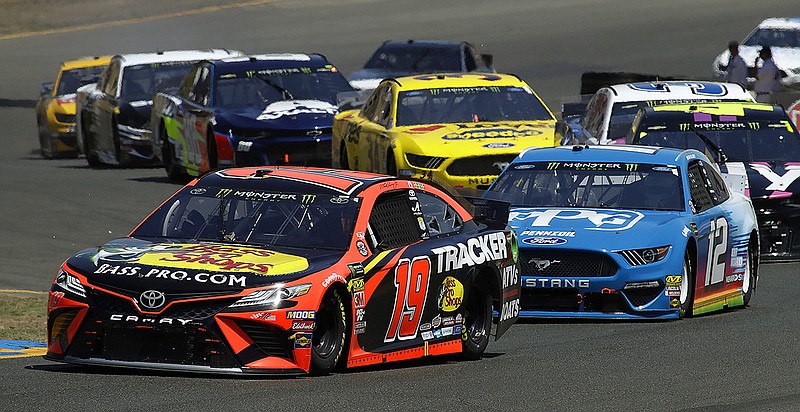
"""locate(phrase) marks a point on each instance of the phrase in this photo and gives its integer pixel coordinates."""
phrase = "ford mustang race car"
(55, 109)
(247, 111)
(458, 128)
(782, 35)
(610, 111)
(757, 148)
(628, 232)
(113, 116)
(397, 58)
(289, 270)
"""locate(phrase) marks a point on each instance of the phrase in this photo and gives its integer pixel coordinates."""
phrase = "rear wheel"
(171, 164)
(45, 142)
(330, 334)
(750, 275)
(686, 298)
(391, 165)
(88, 145)
(477, 322)
(115, 139)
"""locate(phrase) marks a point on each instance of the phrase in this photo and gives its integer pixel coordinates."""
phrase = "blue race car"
(273, 109)
(628, 232)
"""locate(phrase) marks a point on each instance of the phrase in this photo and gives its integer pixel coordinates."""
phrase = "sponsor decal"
(362, 248)
(448, 321)
(356, 285)
(556, 283)
(548, 233)
(334, 277)
(437, 333)
(436, 321)
(602, 220)
(359, 327)
(510, 276)
(457, 329)
(425, 326)
(152, 299)
(778, 182)
(359, 314)
(428, 335)
(544, 241)
(301, 314)
(176, 275)
(542, 264)
(685, 231)
(499, 145)
(340, 200)
(198, 191)
(492, 133)
(358, 299)
(416, 185)
(451, 294)
(510, 310)
(303, 325)
(673, 285)
(55, 299)
(477, 250)
(674, 302)
(737, 261)
(293, 108)
(148, 320)
(458, 318)
(736, 277)
(302, 340)
(447, 331)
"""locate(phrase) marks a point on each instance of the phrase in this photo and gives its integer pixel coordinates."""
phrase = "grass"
(23, 316)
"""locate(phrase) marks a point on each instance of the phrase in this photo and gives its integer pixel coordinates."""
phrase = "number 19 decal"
(717, 251)
(411, 278)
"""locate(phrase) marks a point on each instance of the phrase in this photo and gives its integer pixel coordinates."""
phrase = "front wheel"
(686, 298)
(330, 334)
(88, 145)
(171, 164)
(45, 141)
(477, 323)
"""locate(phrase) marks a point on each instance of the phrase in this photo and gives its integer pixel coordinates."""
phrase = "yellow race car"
(55, 109)
(461, 129)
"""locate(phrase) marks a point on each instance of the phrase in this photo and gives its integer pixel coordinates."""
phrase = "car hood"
(500, 137)
(596, 229)
(282, 115)
(773, 180)
(131, 265)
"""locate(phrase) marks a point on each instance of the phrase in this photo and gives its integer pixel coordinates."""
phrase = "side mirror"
(488, 60)
(46, 88)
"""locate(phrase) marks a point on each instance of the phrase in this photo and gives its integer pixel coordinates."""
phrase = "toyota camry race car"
(273, 109)
(288, 270)
(758, 151)
(458, 128)
(113, 115)
(628, 232)
(782, 35)
(55, 109)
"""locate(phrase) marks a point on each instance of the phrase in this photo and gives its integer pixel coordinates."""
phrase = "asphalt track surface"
(736, 360)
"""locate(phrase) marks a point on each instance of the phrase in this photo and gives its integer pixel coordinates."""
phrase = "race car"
(55, 109)
(628, 232)
(113, 115)
(247, 111)
(758, 151)
(289, 270)
(458, 128)
(610, 111)
(782, 35)
(397, 58)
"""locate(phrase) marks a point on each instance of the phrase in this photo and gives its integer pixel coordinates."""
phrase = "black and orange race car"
(289, 270)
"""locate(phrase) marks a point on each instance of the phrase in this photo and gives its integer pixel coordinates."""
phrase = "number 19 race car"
(288, 270)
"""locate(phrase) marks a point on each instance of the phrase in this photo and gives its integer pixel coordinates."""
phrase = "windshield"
(469, 104)
(592, 185)
(747, 141)
(261, 87)
(71, 80)
(257, 218)
(773, 38)
(416, 59)
(142, 81)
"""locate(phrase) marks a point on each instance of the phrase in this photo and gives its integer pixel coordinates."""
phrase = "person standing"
(767, 77)
(737, 68)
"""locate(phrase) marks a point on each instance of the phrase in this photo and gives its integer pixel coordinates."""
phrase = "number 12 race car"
(287, 271)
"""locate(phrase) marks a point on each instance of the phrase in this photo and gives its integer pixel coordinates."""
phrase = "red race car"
(284, 270)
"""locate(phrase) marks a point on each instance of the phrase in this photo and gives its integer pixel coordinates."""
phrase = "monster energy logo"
(306, 199)
(754, 125)
(494, 89)
(434, 92)
(305, 70)
(631, 167)
(685, 126)
(553, 165)
(250, 73)
(224, 192)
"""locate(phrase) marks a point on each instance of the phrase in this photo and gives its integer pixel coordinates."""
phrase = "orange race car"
(288, 270)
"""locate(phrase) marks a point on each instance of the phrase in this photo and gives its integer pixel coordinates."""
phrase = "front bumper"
(471, 172)
(779, 229)
(299, 150)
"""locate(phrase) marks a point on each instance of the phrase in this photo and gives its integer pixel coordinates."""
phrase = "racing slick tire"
(344, 160)
(391, 165)
(750, 275)
(45, 142)
(91, 158)
(115, 140)
(211, 148)
(477, 322)
(686, 298)
(174, 172)
(327, 344)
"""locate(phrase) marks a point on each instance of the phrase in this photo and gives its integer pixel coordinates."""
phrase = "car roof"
(606, 153)
(266, 61)
(785, 23)
(293, 179)
(442, 80)
(86, 61)
(175, 56)
(422, 43)
(679, 112)
(677, 90)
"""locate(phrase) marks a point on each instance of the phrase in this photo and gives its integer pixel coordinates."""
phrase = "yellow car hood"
(447, 140)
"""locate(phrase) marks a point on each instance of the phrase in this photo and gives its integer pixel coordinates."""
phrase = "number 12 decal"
(411, 278)
(717, 251)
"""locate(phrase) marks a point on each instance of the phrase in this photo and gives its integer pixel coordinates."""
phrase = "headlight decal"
(638, 257)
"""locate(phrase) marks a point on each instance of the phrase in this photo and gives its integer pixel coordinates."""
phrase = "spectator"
(767, 77)
(737, 68)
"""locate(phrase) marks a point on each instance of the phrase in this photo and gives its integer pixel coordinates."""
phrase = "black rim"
(325, 339)
(476, 318)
